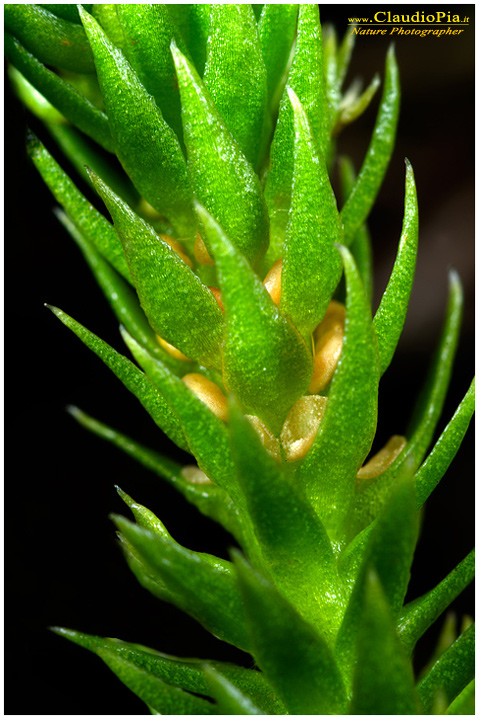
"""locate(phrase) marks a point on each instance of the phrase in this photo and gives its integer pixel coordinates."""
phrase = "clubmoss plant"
(244, 296)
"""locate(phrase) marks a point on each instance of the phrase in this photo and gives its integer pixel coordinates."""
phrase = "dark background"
(63, 566)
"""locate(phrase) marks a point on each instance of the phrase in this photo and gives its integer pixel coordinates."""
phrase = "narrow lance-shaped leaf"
(94, 226)
(311, 265)
(194, 579)
(137, 669)
(452, 671)
(306, 79)
(352, 107)
(388, 549)
(205, 432)
(179, 307)
(74, 106)
(266, 363)
(427, 412)
(208, 497)
(295, 659)
(363, 195)
(235, 74)
(383, 683)
(133, 379)
(148, 32)
(51, 39)
(435, 466)
(276, 30)
(222, 178)
(293, 541)
(229, 699)
(146, 146)
(190, 675)
(361, 246)
(420, 614)
(390, 316)
(348, 427)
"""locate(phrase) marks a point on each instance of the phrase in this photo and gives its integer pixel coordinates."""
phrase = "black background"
(63, 566)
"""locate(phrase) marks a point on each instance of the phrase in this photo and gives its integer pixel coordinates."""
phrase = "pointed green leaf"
(229, 699)
(344, 56)
(363, 195)
(133, 379)
(93, 226)
(293, 541)
(361, 247)
(179, 307)
(74, 106)
(276, 31)
(464, 704)
(146, 146)
(348, 426)
(222, 178)
(383, 683)
(306, 79)
(51, 39)
(144, 517)
(205, 432)
(203, 585)
(148, 32)
(295, 659)
(425, 417)
(388, 548)
(451, 673)
(420, 614)
(189, 675)
(435, 466)
(390, 316)
(266, 364)
(193, 22)
(107, 16)
(235, 74)
(311, 265)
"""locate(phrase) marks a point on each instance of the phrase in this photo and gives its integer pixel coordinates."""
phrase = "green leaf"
(208, 498)
(93, 226)
(266, 364)
(144, 517)
(344, 55)
(383, 682)
(202, 585)
(306, 79)
(179, 307)
(276, 31)
(364, 193)
(311, 265)
(133, 379)
(294, 544)
(205, 432)
(451, 673)
(190, 675)
(390, 316)
(353, 105)
(193, 22)
(361, 247)
(51, 39)
(229, 699)
(464, 704)
(330, 467)
(67, 11)
(148, 32)
(420, 614)
(438, 461)
(388, 548)
(74, 106)
(295, 659)
(222, 178)
(146, 146)
(425, 417)
(235, 74)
